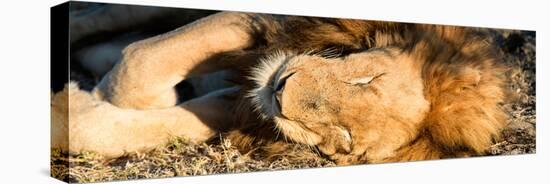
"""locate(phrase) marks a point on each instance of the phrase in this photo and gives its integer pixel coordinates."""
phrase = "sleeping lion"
(357, 91)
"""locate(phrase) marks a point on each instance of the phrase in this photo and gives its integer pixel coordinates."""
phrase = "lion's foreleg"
(150, 68)
(89, 124)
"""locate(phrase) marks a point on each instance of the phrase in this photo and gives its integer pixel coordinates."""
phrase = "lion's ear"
(468, 78)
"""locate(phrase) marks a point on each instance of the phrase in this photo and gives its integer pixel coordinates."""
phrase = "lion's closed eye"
(362, 81)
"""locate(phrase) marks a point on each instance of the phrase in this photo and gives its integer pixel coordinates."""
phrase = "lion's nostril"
(278, 95)
(279, 88)
(282, 82)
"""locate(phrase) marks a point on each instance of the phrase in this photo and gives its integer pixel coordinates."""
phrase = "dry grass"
(177, 158)
(182, 158)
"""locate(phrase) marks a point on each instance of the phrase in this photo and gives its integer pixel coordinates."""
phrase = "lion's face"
(367, 102)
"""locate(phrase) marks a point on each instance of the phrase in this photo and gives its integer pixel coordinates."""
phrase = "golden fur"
(358, 91)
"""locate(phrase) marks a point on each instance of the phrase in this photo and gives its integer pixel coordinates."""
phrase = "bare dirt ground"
(181, 158)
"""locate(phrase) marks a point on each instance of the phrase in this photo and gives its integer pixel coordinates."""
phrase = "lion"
(357, 91)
